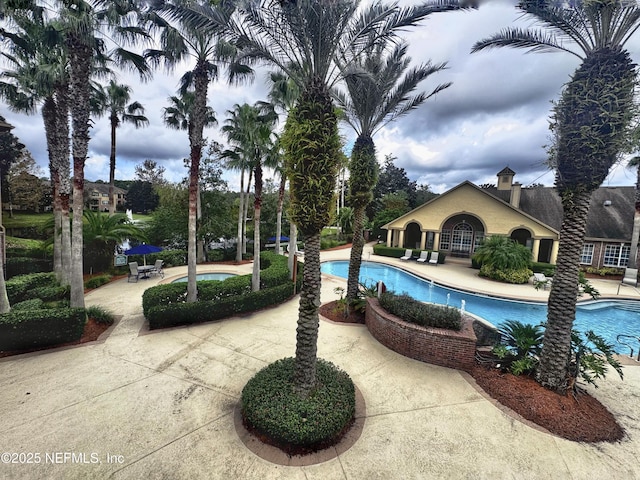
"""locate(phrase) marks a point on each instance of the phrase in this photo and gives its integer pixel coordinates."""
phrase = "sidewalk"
(160, 405)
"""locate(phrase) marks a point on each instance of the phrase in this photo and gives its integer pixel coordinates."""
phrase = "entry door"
(462, 238)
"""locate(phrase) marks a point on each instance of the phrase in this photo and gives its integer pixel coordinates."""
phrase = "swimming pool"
(608, 318)
(207, 276)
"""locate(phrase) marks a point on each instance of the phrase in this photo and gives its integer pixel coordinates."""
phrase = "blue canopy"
(143, 249)
(282, 239)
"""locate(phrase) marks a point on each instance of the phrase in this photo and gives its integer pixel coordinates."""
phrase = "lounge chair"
(540, 280)
(157, 268)
(408, 253)
(133, 271)
(424, 256)
(433, 259)
(630, 278)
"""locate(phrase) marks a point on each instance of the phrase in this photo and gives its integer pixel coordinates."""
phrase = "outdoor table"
(145, 270)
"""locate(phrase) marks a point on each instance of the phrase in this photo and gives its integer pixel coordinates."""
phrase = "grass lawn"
(25, 220)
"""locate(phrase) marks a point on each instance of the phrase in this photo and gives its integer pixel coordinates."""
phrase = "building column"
(389, 237)
(554, 251)
(535, 250)
(401, 238)
(423, 240)
(436, 241)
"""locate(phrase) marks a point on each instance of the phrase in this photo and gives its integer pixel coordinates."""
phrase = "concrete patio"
(160, 405)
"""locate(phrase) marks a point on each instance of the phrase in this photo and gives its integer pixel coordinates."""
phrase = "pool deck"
(160, 405)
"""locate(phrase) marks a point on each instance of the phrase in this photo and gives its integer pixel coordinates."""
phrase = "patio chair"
(540, 280)
(630, 278)
(157, 268)
(433, 259)
(424, 256)
(133, 271)
(408, 253)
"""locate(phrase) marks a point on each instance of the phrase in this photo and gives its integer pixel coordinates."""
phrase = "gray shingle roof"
(613, 222)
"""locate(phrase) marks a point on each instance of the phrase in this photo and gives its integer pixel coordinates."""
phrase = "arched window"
(462, 238)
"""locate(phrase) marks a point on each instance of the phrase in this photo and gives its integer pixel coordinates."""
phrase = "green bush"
(33, 304)
(171, 258)
(327, 243)
(100, 314)
(25, 329)
(604, 271)
(24, 265)
(271, 406)
(18, 288)
(98, 281)
(215, 255)
(426, 315)
(506, 275)
(52, 293)
(548, 269)
(174, 314)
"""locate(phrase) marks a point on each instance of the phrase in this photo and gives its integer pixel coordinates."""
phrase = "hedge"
(23, 265)
(165, 305)
(27, 329)
(418, 313)
(175, 314)
(397, 252)
(20, 288)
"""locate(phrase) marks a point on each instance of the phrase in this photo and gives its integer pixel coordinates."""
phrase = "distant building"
(96, 196)
(457, 221)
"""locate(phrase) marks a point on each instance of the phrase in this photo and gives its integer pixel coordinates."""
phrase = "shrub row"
(171, 258)
(396, 252)
(33, 304)
(21, 288)
(271, 406)
(547, 268)
(25, 329)
(165, 305)
(174, 314)
(98, 281)
(424, 314)
(24, 265)
(507, 275)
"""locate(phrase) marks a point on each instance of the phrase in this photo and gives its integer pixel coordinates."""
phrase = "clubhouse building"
(457, 221)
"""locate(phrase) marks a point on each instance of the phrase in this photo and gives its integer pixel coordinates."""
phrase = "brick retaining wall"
(439, 346)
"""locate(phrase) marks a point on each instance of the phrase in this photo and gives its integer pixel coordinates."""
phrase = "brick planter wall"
(439, 346)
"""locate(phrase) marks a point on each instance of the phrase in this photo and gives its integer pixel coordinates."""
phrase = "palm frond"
(532, 40)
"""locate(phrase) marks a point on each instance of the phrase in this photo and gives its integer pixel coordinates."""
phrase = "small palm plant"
(504, 260)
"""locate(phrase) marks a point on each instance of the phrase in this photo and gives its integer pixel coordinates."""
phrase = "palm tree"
(283, 95)
(379, 92)
(590, 124)
(39, 76)
(114, 100)
(305, 40)
(87, 25)
(180, 116)
(205, 46)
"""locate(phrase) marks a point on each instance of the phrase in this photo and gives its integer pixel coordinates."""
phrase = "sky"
(495, 114)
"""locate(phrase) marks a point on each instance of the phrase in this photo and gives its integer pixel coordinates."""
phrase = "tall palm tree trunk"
(245, 213)
(49, 116)
(556, 349)
(355, 258)
(283, 183)
(61, 160)
(201, 80)
(257, 208)
(80, 61)
(308, 320)
(293, 243)
(240, 221)
(112, 164)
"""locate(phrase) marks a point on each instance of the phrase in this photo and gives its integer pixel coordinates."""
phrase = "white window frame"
(445, 240)
(616, 255)
(586, 257)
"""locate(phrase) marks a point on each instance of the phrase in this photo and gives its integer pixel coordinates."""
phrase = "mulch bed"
(578, 417)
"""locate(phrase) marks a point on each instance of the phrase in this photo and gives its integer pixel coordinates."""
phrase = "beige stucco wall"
(496, 217)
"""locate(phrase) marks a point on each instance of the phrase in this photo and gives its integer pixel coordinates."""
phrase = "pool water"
(608, 318)
(207, 276)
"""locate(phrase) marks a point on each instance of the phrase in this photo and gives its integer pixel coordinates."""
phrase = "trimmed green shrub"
(19, 288)
(25, 329)
(98, 281)
(424, 314)
(215, 255)
(33, 304)
(52, 293)
(604, 271)
(171, 258)
(547, 268)
(100, 314)
(24, 265)
(507, 275)
(174, 314)
(327, 243)
(271, 406)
